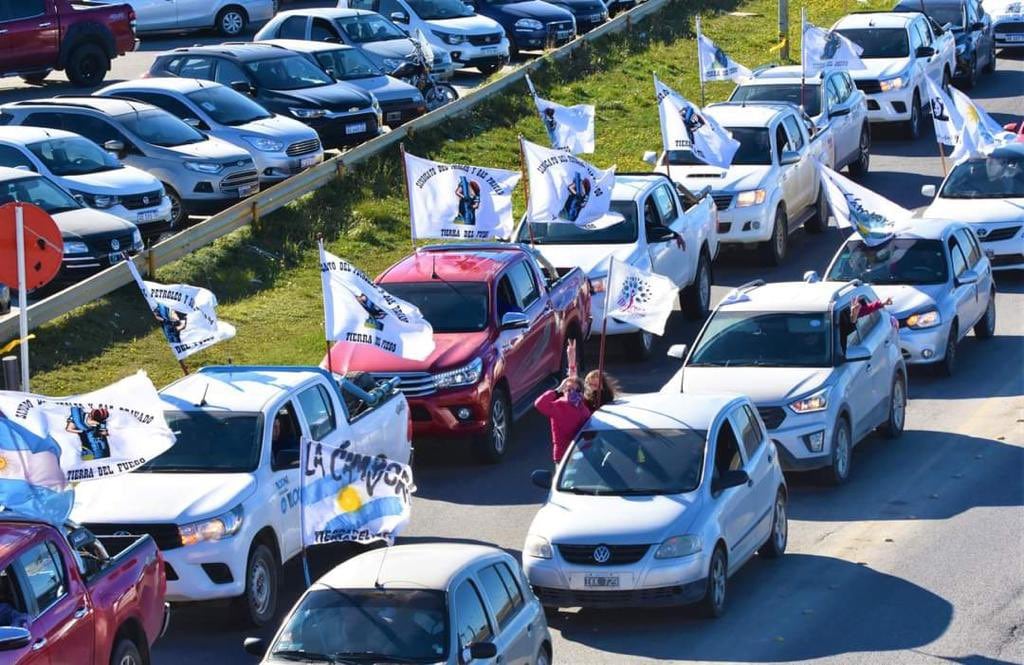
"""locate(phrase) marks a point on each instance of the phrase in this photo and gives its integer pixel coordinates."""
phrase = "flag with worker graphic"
(569, 128)
(459, 202)
(826, 50)
(641, 298)
(358, 311)
(945, 114)
(186, 314)
(564, 188)
(31, 480)
(715, 64)
(685, 127)
(872, 216)
(109, 431)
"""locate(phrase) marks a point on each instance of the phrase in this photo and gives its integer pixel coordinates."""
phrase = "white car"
(91, 174)
(988, 194)
(900, 49)
(821, 382)
(1007, 22)
(662, 233)
(229, 17)
(223, 503)
(659, 500)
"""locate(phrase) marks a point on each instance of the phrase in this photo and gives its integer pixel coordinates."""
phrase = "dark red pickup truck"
(502, 319)
(64, 599)
(38, 36)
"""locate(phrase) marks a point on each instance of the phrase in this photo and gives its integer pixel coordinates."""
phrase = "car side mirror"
(789, 157)
(255, 646)
(836, 113)
(194, 123)
(287, 458)
(12, 638)
(857, 353)
(924, 52)
(928, 191)
(651, 157)
(115, 147)
(968, 277)
(977, 25)
(481, 651)
(399, 17)
(676, 351)
(332, 73)
(542, 478)
(733, 478)
(243, 87)
(811, 276)
(514, 321)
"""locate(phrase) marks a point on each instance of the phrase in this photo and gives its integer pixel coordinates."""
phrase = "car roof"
(1009, 150)
(663, 410)
(25, 134)
(236, 388)
(323, 12)
(740, 114)
(306, 46)
(929, 229)
(876, 20)
(243, 51)
(915, 5)
(8, 173)
(782, 297)
(109, 106)
(15, 531)
(468, 262)
(172, 83)
(783, 74)
(630, 187)
(420, 565)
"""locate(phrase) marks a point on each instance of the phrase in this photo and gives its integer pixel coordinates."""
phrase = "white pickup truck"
(772, 186)
(666, 229)
(223, 504)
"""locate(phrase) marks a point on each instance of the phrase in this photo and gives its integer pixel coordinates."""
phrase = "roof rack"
(848, 286)
(739, 294)
(474, 246)
(769, 104)
(687, 194)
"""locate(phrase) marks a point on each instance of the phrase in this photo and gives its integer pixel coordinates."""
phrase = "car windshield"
(291, 72)
(901, 261)
(73, 156)
(755, 149)
(879, 42)
(208, 441)
(228, 107)
(432, 10)
(634, 462)
(160, 128)
(449, 307)
(945, 13)
(994, 177)
(38, 191)
(369, 28)
(347, 64)
(788, 92)
(561, 233)
(764, 339)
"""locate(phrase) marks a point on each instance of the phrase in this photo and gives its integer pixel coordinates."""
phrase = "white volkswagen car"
(661, 498)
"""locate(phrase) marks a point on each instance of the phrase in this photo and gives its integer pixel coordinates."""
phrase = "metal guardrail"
(247, 210)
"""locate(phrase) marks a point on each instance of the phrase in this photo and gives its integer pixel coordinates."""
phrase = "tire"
(859, 168)
(838, 470)
(179, 216)
(126, 653)
(893, 427)
(774, 250)
(696, 298)
(775, 546)
(87, 65)
(493, 442)
(231, 21)
(948, 365)
(487, 70)
(986, 325)
(640, 345)
(258, 604)
(990, 66)
(439, 95)
(712, 605)
(543, 657)
(35, 78)
(819, 221)
(913, 126)
(971, 78)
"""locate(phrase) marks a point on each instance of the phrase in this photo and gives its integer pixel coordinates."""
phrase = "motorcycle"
(417, 73)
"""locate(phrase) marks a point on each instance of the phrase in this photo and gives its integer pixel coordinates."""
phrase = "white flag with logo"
(874, 217)
(457, 201)
(564, 188)
(186, 314)
(639, 297)
(685, 127)
(715, 64)
(826, 50)
(428, 51)
(358, 311)
(569, 128)
(107, 432)
(979, 133)
(945, 115)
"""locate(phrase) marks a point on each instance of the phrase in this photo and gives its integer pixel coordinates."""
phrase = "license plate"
(601, 581)
(393, 116)
(1015, 38)
(488, 49)
(357, 128)
(246, 190)
(563, 34)
(148, 217)
(115, 257)
(307, 162)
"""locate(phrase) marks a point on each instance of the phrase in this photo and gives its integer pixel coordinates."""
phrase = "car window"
(94, 129)
(293, 27)
(651, 215)
(524, 284)
(21, 9)
(362, 4)
(727, 450)
(915, 37)
(323, 31)
(228, 73)
(318, 410)
(13, 611)
(498, 595)
(285, 433)
(666, 205)
(12, 157)
(971, 251)
(957, 256)
(750, 431)
(160, 100)
(45, 574)
(512, 584)
(866, 323)
(471, 621)
(196, 67)
(832, 93)
(388, 7)
(975, 247)
(795, 137)
(506, 298)
(781, 140)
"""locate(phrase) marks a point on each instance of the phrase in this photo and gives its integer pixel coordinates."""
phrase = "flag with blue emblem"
(31, 480)
(715, 64)
(872, 216)
(980, 134)
(684, 126)
(826, 50)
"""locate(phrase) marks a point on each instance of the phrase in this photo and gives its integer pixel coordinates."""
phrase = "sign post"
(19, 231)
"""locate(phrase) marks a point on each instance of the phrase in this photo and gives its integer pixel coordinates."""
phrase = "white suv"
(821, 383)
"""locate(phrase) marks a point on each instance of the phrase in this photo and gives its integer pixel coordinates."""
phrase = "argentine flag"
(31, 480)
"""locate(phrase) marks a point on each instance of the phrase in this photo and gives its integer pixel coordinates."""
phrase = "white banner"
(826, 50)
(715, 64)
(874, 217)
(685, 127)
(979, 133)
(358, 311)
(569, 128)
(564, 188)
(639, 297)
(457, 201)
(186, 314)
(107, 432)
(946, 117)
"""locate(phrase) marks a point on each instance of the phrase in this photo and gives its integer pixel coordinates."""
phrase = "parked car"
(473, 40)
(431, 603)
(830, 99)
(1007, 23)
(940, 283)
(383, 42)
(971, 28)
(503, 320)
(662, 233)
(987, 193)
(284, 82)
(40, 36)
(228, 17)
(201, 175)
(616, 7)
(821, 382)
(93, 239)
(280, 146)
(588, 14)
(531, 25)
(900, 49)
(399, 101)
(660, 499)
(73, 601)
(772, 186)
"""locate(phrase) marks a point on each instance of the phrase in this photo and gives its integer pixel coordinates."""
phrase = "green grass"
(265, 277)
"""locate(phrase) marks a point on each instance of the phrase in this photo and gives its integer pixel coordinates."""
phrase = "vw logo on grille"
(242, 162)
(145, 200)
(602, 554)
(121, 533)
(115, 244)
(982, 232)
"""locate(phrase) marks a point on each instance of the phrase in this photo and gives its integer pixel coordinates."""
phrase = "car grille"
(999, 234)
(559, 26)
(869, 87)
(484, 40)
(166, 536)
(100, 250)
(635, 597)
(723, 227)
(239, 179)
(771, 415)
(145, 200)
(621, 555)
(303, 147)
(722, 201)
(412, 384)
(1009, 26)
(1000, 260)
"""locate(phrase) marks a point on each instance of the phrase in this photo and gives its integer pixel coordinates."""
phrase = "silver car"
(425, 603)
(228, 17)
(280, 146)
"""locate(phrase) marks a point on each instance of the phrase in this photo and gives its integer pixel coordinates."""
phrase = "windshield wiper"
(711, 363)
(302, 655)
(586, 491)
(356, 656)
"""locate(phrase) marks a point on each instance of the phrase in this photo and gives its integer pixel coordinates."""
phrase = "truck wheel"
(819, 221)
(696, 298)
(990, 65)
(775, 546)
(986, 325)
(838, 472)
(859, 168)
(87, 65)
(178, 214)
(774, 249)
(970, 79)
(713, 603)
(259, 602)
(913, 127)
(640, 346)
(126, 653)
(487, 70)
(35, 78)
(492, 444)
(893, 427)
(231, 21)
(948, 365)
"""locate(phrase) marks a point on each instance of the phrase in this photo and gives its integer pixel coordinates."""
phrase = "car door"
(507, 611)
(856, 372)
(759, 456)
(964, 295)
(873, 330)
(846, 132)
(838, 116)
(29, 37)
(664, 245)
(734, 505)
(933, 63)
(155, 14)
(470, 621)
(280, 487)
(196, 13)
(804, 171)
(540, 335)
(974, 257)
(976, 14)
(788, 178)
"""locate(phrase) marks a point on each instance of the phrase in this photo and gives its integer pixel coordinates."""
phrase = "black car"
(530, 24)
(283, 82)
(588, 13)
(972, 28)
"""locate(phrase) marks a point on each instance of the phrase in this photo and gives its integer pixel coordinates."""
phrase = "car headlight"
(216, 528)
(893, 83)
(529, 24)
(391, 64)
(203, 167)
(678, 546)
(450, 38)
(751, 197)
(816, 401)
(97, 200)
(306, 114)
(463, 376)
(136, 240)
(264, 144)
(537, 547)
(927, 319)
(75, 247)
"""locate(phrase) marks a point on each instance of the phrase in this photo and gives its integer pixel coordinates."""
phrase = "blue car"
(588, 13)
(531, 25)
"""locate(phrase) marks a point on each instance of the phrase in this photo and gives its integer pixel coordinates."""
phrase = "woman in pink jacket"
(567, 411)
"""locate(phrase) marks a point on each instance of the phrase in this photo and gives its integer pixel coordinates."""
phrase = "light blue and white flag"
(715, 64)
(31, 480)
(685, 127)
(874, 217)
(979, 133)
(826, 50)
(569, 128)
(947, 119)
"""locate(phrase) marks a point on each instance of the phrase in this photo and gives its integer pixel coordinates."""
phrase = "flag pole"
(408, 194)
(303, 462)
(942, 157)
(700, 67)
(183, 366)
(19, 231)
(803, 75)
(604, 320)
(526, 189)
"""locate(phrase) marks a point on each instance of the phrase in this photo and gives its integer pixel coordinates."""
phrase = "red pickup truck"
(502, 317)
(38, 36)
(63, 599)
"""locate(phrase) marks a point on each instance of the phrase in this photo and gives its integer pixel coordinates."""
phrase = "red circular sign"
(44, 248)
